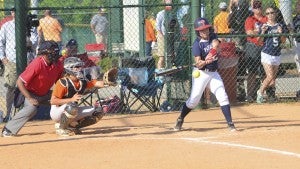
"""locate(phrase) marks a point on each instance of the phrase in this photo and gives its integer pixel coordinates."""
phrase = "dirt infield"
(268, 138)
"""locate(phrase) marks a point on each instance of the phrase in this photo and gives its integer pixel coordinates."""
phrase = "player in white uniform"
(209, 77)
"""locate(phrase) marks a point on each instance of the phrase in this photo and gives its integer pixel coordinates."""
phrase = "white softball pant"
(57, 111)
(214, 82)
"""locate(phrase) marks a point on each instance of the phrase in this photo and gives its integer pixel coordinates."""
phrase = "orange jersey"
(60, 91)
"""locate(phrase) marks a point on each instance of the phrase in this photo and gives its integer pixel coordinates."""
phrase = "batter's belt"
(209, 70)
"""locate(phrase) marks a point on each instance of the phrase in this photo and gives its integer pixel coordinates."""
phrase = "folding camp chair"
(138, 85)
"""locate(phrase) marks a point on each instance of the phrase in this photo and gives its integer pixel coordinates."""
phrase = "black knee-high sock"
(227, 113)
(185, 111)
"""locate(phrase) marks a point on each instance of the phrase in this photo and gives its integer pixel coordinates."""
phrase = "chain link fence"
(125, 37)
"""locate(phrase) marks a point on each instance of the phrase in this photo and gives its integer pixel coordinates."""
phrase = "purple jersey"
(272, 45)
(202, 47)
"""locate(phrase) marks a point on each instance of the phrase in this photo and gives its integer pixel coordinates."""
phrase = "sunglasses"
(268, 13)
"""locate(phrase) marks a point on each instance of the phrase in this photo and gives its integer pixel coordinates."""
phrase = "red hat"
(201, 24)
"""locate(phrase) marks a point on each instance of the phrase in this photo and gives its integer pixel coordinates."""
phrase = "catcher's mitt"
(110, 77)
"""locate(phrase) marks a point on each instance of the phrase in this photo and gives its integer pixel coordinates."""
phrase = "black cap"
(72, 43)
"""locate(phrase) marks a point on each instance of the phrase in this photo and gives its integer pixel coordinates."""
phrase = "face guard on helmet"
(50, 49)
(71, 65)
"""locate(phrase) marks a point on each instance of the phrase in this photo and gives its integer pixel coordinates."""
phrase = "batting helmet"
(201, 24)
(49, 48)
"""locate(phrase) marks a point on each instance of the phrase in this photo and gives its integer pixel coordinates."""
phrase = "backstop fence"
(125, 38)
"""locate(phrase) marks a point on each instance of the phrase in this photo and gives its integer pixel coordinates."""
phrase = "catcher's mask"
(50, 49)
(73, 66)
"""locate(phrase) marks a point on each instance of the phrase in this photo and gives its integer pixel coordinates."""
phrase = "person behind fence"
(50, 29)
(296, 29)
(253, 47)
(270, 54)
(65, 111)
(35, 83)
(99, 26)
(71, 50)
(205, 54)
(239, 11)
(220, 21)
(161, 34)
(8, 58)
(6, 19)
(150, 36)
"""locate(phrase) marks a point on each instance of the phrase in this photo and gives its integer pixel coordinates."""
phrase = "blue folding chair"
(138, 86)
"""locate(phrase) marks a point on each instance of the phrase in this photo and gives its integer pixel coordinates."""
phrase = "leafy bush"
(108, 62)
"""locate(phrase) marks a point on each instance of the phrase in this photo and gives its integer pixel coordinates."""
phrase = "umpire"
(35, 83)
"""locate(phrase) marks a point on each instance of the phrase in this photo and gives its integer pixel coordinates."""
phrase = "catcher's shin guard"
(68, 116)
(64, 121)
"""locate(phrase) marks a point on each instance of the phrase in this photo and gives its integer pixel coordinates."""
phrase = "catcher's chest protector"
(66, 82)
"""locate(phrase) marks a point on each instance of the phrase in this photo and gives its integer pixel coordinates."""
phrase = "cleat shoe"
(64, 132)
(249, 99)
(260, 98)
(231, 127)
(56, 126)
(75, 130)
(99, 115)
(178, 125)
(7, 133)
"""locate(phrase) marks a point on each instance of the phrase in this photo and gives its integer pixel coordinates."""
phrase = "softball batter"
(209, 77)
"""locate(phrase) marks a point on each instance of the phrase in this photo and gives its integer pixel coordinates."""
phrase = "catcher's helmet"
(73, 62)
(49, 48)
(201, 24)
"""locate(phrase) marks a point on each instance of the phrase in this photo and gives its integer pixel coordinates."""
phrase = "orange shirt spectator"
(150, 33)
(220, 21)
(50, 28)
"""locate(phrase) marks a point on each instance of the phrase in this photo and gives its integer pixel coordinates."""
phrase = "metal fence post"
(21, 15)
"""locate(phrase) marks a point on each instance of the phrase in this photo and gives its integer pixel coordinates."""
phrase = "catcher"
(66, 113)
